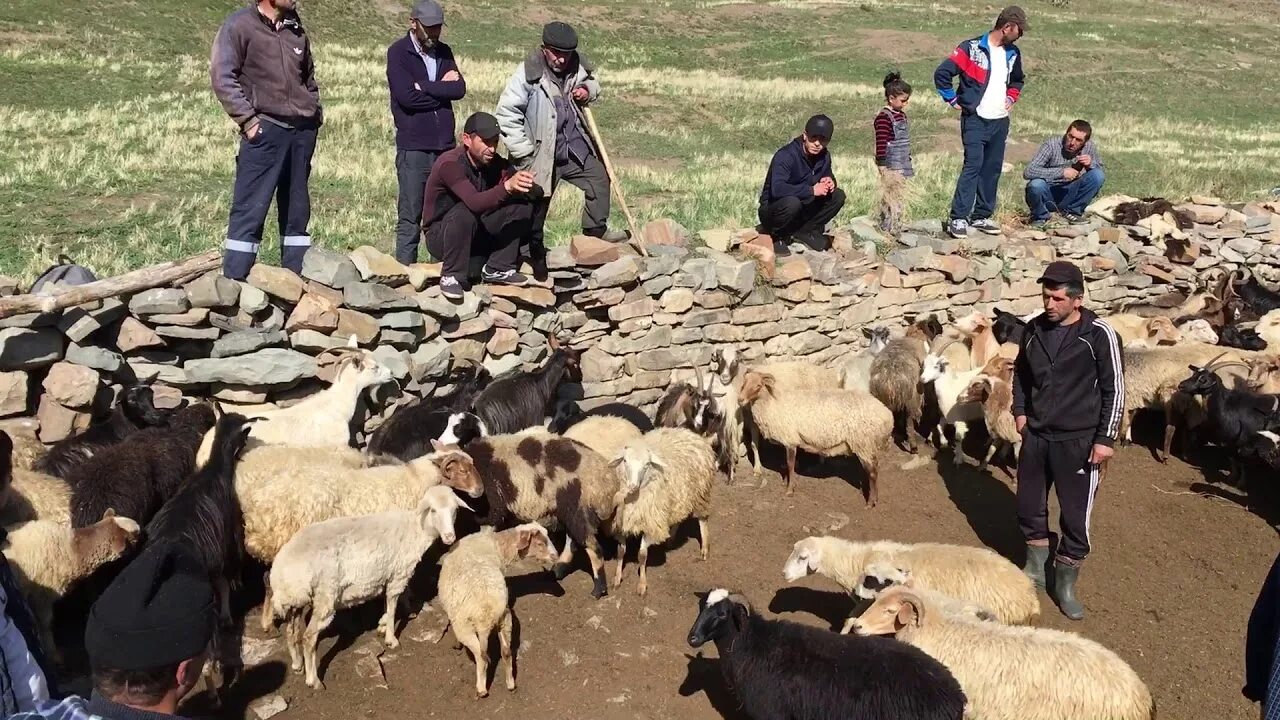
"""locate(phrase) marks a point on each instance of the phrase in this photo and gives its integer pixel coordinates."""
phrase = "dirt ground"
(1177, 563)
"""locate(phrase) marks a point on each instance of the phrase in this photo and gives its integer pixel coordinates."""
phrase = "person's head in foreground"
(480, 137)
(1062, 290)
(817, 134)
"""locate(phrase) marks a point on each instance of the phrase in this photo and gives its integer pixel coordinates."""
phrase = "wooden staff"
(636, 240)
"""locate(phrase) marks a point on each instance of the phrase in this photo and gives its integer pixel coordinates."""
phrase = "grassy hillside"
(115, 150)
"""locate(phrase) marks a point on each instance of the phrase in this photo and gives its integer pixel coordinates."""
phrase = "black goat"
(135, 410)
(408, 433)
(780, 669)
(570, 413)
(1234, 416)
(137, 475)
(1258, 298)
(1262, 447)
(1008, 327)
(514, 402)
(1238, 337)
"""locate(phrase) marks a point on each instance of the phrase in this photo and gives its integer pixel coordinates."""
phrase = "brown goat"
(993, 388)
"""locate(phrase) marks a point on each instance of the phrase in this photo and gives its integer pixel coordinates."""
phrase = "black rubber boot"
(1064, 590)
(1037, 558)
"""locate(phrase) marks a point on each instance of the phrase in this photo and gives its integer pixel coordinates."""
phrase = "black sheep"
(408, 433)
(1238, 337)
(1234, 416)
(518, 401)
(135, 410)
(1258, 298)
(780, 670)
(137, 475)
(569, 414)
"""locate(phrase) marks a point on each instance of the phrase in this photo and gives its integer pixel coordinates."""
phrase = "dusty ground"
(1169, 588)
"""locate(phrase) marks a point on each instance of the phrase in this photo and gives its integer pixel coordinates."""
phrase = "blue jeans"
(1069, 198)
(983, 157)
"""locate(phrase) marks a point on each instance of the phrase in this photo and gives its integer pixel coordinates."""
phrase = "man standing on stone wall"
(264, 75)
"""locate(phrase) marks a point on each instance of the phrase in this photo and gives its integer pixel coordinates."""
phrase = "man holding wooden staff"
(540, 115)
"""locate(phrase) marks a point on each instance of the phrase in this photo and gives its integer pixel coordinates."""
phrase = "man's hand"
(580, 94)
(1070, 174)
(1085, 160)
(821, 188)
(831, 183)
(1100, 454)
(521, 182)
(1008, 104)
(451, 76)
(1021, 423)
(252, 129)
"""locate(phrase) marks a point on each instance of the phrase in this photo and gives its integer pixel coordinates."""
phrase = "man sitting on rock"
(474, 202)
(1064, 176)
(800, 195)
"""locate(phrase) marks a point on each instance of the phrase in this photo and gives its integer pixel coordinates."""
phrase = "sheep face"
(1264, 376)
(720, 612)
(462, 428)
(754, 386)
(364, 371)
(1198, 330)
(439, 507)
(973, 323)
(805, 557)
(935, 366)
(1160, 331)
(895, 610)
(724, 363)
(457, 470)
(533, 543)
(977, 392)
(1201, 382)
(878, 577)
(636, 462)
(877, 338)
(138, 404)
(113, 535)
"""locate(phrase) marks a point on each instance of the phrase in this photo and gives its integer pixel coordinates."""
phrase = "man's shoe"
(615, 236)
(1039, 224)
(1037, 558)
(780, 249)
(504, 277)
(1073, 219)
(986, 225)
(958, 229)
(451, 287)
(539, 267)
(1064, 590)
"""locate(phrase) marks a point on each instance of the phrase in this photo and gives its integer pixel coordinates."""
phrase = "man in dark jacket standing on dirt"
(263, 74)
(990, 71)
(800, 196)
(424, 82)
(1068, 398)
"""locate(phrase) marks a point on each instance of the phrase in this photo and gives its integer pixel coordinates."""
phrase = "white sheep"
(667, 479)
(826, 422)
(787, 375)
(1014, 673)
(605, 434)
(1144, 332)
(33, 495)
(949, 383)
(473, 590)
(972, 574)
(880, 577)
(346, 561)
(49, 557)
(1268, 328)
(1199, 330)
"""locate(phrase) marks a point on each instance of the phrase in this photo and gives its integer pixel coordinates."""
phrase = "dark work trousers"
(593, 180)
(412, 169)
(275, 163)
(805, 219)
(460, 234)
(1064, 465)
(984, 142)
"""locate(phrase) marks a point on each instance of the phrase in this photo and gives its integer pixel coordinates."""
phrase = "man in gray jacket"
(263, 74)
(545, 132)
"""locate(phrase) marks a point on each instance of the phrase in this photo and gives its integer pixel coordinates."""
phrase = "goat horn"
(948, 342)
(697, 372)
(1214, 366)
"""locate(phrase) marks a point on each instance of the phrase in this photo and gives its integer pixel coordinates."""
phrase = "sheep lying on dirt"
(668, 475)
(1015, 673)
(879, 577)
(346, 561)
(970, 574)
(473, 591)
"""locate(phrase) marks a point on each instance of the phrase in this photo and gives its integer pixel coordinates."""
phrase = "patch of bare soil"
(899, 45)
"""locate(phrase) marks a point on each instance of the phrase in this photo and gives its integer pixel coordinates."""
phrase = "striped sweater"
(883, 125)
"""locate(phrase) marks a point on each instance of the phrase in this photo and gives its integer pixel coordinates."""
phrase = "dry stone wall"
(641, 322)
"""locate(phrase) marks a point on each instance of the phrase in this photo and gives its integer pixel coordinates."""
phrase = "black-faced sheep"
(521, 400)
(473, 591)
(1014, 673)
(137, 475)
(778, 669)
(408, 433)
(135, 411)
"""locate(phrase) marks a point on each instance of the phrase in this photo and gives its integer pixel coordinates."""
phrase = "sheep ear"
(910, 612)
(110, 513)
(437, 445)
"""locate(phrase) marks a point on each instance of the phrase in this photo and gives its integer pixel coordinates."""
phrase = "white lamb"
(948, 384)
(972, 574)
(666, 479)
(473, 590)
(343, 562)
(1014, 673)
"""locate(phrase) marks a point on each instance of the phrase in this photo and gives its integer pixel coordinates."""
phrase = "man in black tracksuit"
(1068, 397)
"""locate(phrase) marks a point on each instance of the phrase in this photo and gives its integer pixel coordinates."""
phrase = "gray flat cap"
(428, 12)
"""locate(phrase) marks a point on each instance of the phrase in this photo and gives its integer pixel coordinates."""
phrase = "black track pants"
(1063, 465)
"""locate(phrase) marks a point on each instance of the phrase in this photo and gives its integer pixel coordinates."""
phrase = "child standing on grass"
(893, 152)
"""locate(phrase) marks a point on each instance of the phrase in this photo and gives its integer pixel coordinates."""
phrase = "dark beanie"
(158, 611)
(560, 36)
(819, 126)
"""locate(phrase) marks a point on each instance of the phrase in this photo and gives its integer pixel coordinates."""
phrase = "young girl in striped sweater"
(893, 152)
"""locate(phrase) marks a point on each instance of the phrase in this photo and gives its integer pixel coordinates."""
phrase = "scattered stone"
(14, 387)
(378, 267)
(277, 282)
(212, 290)
(58, 422)
(159, 300)
(589, 251)
(329, 267)
(313, 313)
(664, 231)
(272, 366)
(268, 706)
(371, 296)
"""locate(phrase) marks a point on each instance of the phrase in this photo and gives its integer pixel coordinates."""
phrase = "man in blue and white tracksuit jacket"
(990, 72)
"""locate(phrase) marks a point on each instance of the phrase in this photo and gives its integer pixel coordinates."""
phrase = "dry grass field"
(115, 150)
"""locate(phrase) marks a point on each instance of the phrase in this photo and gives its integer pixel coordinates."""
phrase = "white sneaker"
(958, 229)
(986, 225)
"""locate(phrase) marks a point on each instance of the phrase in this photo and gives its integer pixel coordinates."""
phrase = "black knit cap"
(560, 36)
(820, 126)
(159, 611)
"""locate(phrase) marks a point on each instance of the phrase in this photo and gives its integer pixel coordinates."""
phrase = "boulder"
(378, 267)
(94, 357)
(72, 386)
(329, 267)
(277, 282)
(159, 300)
(58, 422)
(212, 290)
(14, 393)
(23, 349)
(272, 366)
(313, 313)
(590, 251)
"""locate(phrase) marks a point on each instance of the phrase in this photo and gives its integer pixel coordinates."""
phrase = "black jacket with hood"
(1076, 391)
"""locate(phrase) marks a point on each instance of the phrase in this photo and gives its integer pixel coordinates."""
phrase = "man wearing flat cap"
(545, 132)
(476, 203)
(1068, 398)
(424, 81)
(147, 640)
(800, 196)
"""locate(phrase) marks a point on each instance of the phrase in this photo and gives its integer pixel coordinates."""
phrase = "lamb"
(345, 561)
(521, 400)
(823, 422)
(879, 577)
(780, 669)
(994, 391)
(949, 385)
(538, 478)
(970, 574)
(1198, 330)
(604, 433)
(668, 475)
(283, 489)
(855, 371)
(570, 413)
(135, 411)
(29, 495)
(1147, 332)
(1015, 673)
(137, 475)
(49, 557)
(473, 591)
(895, 377)
(408, 433)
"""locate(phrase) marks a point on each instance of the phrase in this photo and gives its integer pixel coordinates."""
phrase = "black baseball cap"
(820, 126)
(482, 124)
(1061, 272)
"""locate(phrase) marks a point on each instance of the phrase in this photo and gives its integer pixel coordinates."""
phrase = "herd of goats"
(340, 526)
